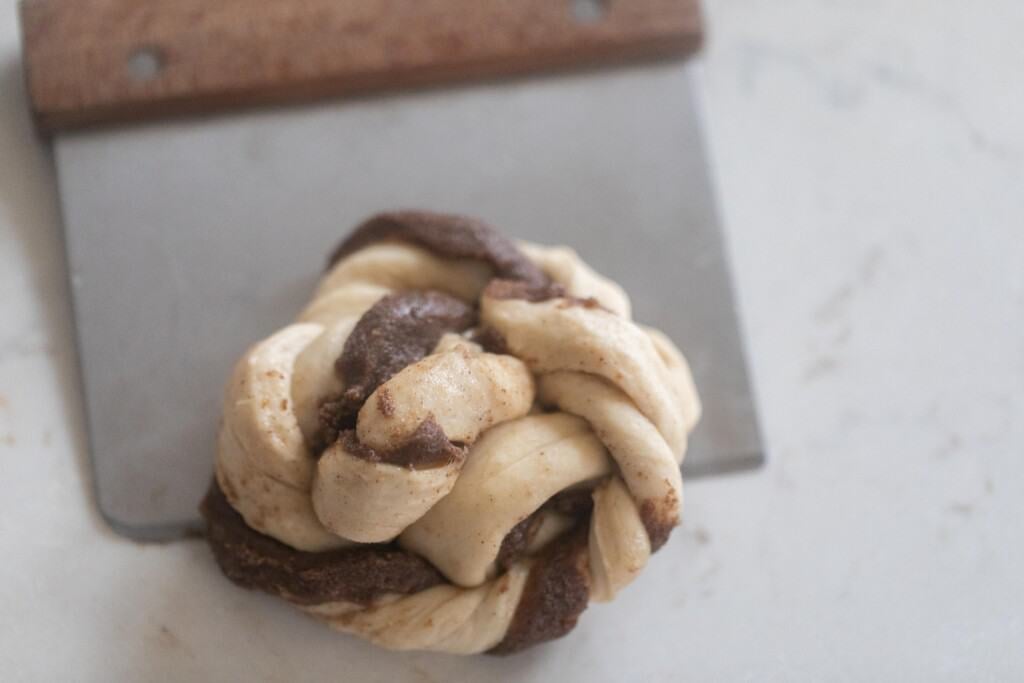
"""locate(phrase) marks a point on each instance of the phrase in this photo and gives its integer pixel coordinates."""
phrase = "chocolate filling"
(556, 593)
(659, 521)
(512, 289)
(448, 236)
(394, 333)
(513, 546)
(517, 289)
(490, 340)
(426, 448)
(358, 574)
(577, 502)
(336, 417)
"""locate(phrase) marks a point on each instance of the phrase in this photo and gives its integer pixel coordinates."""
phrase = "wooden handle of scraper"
(105, 61)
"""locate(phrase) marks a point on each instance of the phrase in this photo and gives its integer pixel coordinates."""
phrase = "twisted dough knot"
(457, 445)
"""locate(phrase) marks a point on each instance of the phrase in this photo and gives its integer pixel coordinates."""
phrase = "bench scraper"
(191, 237)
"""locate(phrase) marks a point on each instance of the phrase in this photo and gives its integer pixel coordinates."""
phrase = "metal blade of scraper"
(189, 241)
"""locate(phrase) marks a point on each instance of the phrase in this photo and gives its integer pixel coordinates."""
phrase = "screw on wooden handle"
(104, 61)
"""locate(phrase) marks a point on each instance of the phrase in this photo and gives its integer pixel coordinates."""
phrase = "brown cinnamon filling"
(556, 593)
(490, 340)
(359, 574)
(448, 236)
(511, 289)
(428, 447)
(659, 518)
(574, 503)
(394, 333)
(514, 545)
(529, 291)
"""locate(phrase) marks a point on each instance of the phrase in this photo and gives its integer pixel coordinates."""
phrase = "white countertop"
(870, 160)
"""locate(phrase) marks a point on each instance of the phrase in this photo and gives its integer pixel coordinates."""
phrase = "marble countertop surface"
(870, 160)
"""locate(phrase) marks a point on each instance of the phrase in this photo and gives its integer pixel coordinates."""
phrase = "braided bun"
(459, 443)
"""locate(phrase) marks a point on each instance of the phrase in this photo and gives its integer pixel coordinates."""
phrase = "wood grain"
(216, 54)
